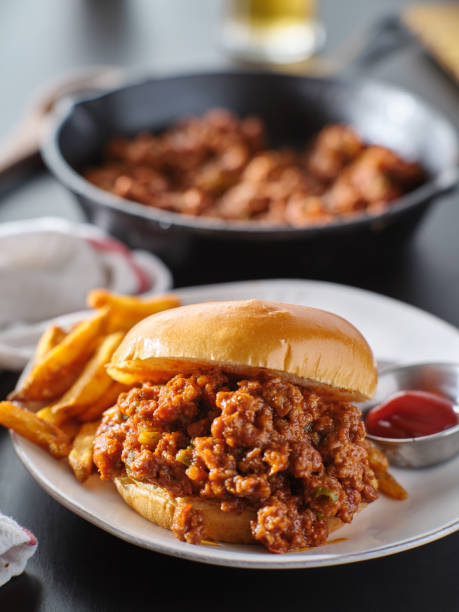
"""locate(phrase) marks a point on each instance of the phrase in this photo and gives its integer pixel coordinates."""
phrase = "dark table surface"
(78, 567)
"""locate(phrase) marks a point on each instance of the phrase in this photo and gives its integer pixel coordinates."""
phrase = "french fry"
(390, 486)
(38, 431)
(99, 298)
(70, 428)
(105, 401)
(80, 457)
(92, 384)
(379, 463)
(126, 311)
(48, 415)
(62, 364)
(49, 339)
(377, 460)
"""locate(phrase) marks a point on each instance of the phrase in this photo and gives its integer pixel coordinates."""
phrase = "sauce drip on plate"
(411, 414)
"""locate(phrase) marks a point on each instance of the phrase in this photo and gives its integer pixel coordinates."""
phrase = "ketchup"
(411, 414)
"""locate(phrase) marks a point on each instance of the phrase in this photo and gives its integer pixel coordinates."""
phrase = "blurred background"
(45, 40)
(49, 42)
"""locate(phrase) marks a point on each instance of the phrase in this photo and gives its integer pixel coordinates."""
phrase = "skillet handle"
(383, 38)
(389, 35)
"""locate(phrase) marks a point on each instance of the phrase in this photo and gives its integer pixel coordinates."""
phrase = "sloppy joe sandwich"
(239, 425)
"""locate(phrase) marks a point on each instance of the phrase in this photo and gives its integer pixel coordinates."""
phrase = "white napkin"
(17, 545)
(47, 266)
(45, 273)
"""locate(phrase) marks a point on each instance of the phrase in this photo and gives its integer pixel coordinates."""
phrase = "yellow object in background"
(268, 14)
(275, 31)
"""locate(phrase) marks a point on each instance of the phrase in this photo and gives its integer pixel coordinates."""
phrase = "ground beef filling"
(295, 457)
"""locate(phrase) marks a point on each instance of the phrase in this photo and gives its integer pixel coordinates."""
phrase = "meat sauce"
(294, 457)
(219, 166)
(411, 414)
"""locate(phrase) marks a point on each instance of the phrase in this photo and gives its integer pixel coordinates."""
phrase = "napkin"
(17, 545)
(47, 266)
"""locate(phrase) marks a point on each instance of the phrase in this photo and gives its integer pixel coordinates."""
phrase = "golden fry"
(48, 415)
(98, 298)
(378, 461)
(60, 366)
(70, 428)
(80, 457)
(49, 339)
(126, 311)
(380, 464)
(38, 431)
(93, 382)
(105, 401)
(389, 486)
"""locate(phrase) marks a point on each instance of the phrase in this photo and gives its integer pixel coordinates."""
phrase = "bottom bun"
(158, 506)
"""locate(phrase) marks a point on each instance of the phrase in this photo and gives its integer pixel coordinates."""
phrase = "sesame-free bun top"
(306, 346)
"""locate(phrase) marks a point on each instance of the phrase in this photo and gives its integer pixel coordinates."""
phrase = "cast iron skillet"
(294, 108)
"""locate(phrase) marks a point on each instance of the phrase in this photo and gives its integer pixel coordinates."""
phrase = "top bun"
(306, 346)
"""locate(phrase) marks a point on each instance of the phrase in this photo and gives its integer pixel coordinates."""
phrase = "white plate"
(396, 332)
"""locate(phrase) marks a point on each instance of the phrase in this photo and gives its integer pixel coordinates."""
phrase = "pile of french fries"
(60, 402)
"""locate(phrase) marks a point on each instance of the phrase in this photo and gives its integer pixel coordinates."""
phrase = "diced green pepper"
(185, 456)
(148, 437)
(327, 493)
